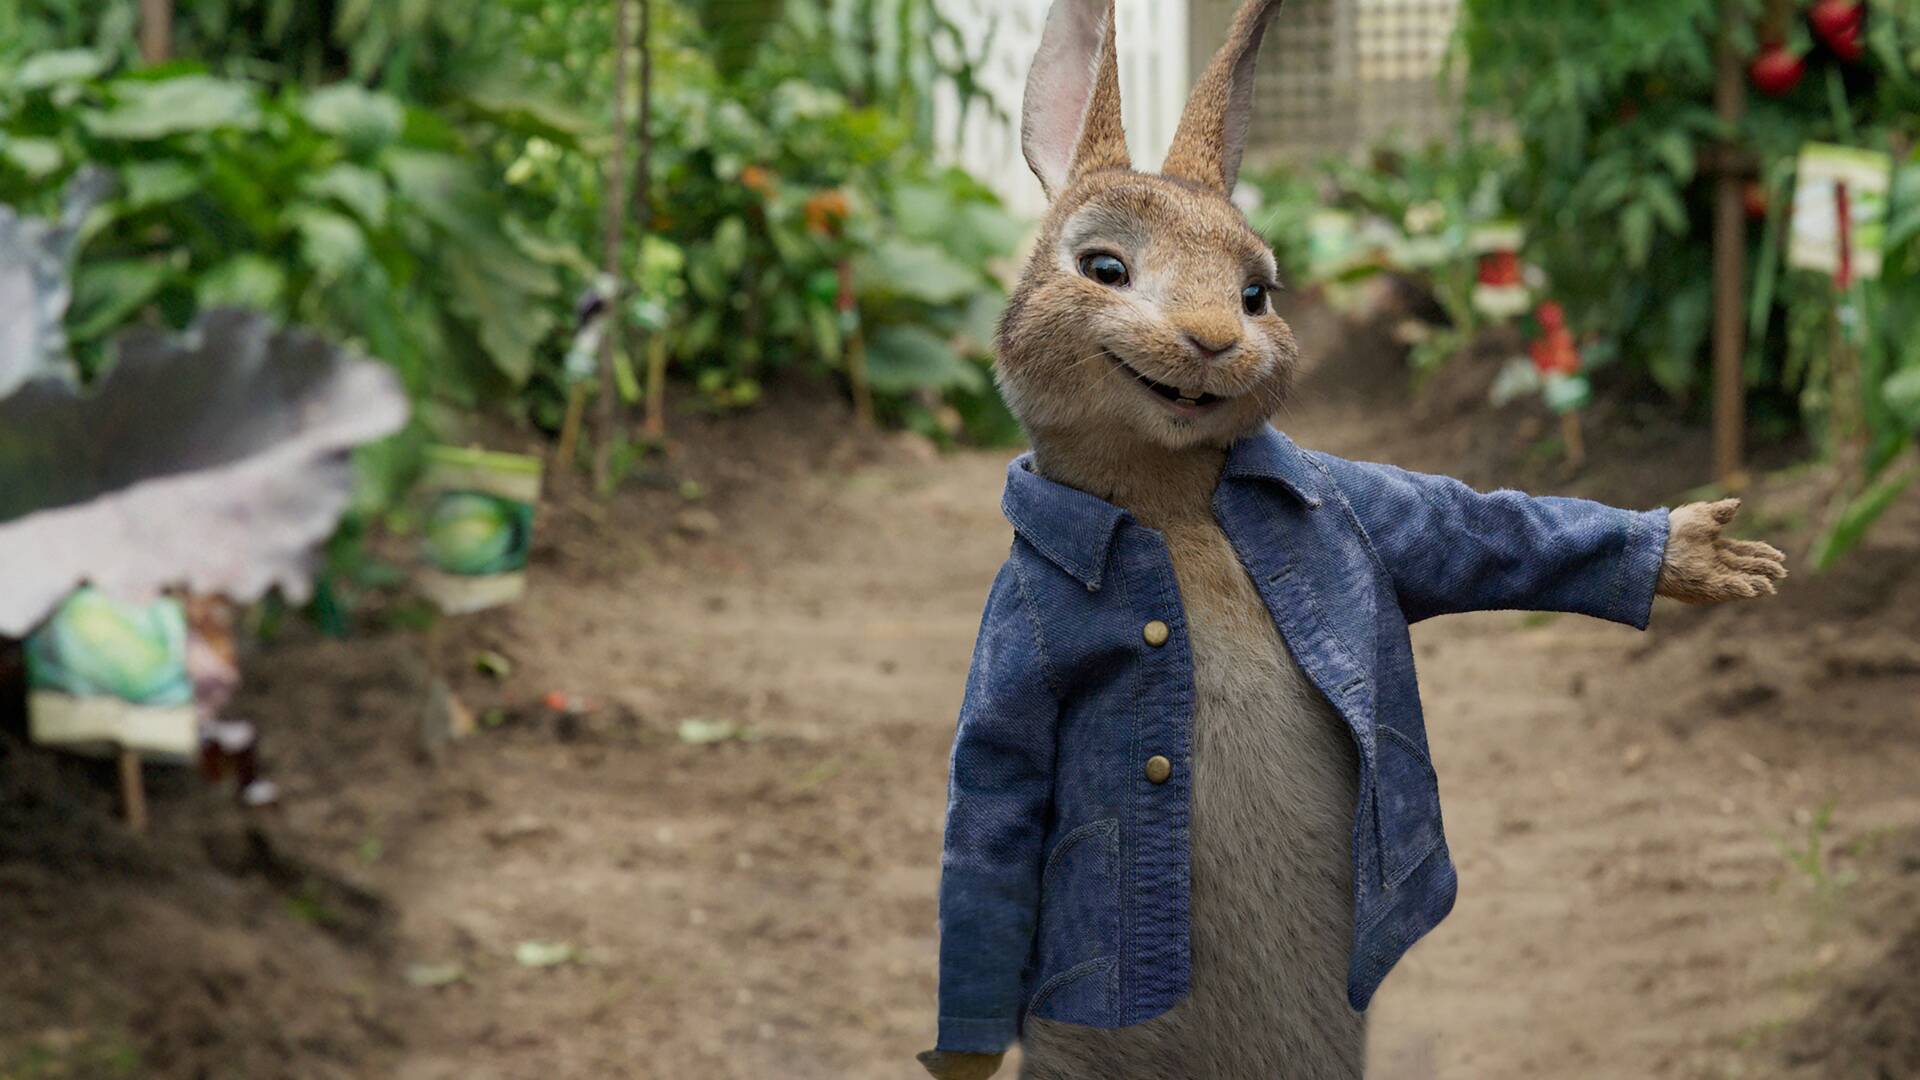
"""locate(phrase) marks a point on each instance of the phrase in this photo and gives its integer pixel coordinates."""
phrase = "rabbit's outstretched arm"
(1451, 549)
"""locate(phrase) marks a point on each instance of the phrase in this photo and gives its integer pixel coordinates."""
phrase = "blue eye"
(1254, 298)
(1106, 269)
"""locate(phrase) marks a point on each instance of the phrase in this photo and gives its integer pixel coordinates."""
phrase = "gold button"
(1156, 633)
(1158, 769)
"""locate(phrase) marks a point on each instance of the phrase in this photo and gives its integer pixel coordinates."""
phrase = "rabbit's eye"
(1254, 299)
(1106, 269)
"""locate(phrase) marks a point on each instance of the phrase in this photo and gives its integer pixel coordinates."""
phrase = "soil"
(1693, 853)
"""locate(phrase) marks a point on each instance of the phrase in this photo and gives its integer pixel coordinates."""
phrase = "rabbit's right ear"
(1071, 125)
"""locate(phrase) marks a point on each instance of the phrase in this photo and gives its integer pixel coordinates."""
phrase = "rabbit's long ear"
(1071, 124)
(1213, 132)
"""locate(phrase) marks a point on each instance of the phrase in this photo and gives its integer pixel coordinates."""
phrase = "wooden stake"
(1574, 439)
(1729, 267)
(133, 791)
(856, 347)
(607, 416)
(156, 31)
(656, 386)
(567, 451)
(653, 342)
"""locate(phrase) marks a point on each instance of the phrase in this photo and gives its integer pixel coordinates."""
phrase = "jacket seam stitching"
(1027, 608)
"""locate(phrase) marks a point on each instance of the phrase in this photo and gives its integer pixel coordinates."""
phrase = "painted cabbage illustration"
(473, 533)
(97, 646)
(217, 460)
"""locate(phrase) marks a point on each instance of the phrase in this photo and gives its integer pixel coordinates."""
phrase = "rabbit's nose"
(1211, 346)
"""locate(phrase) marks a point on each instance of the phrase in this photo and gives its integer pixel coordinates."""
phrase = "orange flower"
(826, 210)
(758, 179)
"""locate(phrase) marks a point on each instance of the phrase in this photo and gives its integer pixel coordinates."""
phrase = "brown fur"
(1274, 767)
(1275, 770)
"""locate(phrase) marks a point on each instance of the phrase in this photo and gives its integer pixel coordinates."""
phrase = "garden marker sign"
(104, 675)
(478, 527)
(1840, 212)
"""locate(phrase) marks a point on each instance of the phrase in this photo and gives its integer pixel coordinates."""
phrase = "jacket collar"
(1075, 530)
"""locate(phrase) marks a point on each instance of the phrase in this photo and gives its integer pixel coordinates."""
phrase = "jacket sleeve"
(999, 793)
(1451, 549)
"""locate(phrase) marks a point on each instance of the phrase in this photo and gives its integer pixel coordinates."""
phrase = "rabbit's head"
(1146, 310)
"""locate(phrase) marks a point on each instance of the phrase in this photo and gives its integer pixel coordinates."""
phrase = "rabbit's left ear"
(1213, 132)
(1071, 123)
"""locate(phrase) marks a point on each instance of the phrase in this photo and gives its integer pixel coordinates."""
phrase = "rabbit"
(1139, 348)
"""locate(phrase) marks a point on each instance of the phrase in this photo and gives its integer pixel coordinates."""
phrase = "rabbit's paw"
(950, 1066)
(1704, 567)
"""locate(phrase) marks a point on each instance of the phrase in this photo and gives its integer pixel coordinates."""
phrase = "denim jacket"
(1064, 882)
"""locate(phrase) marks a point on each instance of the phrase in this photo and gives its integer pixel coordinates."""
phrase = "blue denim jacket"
(1065, 875)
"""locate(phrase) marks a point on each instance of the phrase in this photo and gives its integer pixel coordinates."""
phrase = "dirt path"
(1671, 846)
(765, 907)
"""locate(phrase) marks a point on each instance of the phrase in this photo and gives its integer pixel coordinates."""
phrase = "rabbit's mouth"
(1185, 402)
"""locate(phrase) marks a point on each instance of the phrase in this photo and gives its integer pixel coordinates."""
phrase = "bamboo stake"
(607, 416)
(654, 341)
(156, 31)
(856, 347)
(1729, 266)
(133, 791)
(656, 386)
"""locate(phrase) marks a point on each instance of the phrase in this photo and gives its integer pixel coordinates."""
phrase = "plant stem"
(607, 415)
(1729, 264)
(156, 31)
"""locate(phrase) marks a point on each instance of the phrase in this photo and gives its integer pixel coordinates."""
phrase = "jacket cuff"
(964, 1036)
(1640, 569)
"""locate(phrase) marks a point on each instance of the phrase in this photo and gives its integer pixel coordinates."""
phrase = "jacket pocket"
(1407, 806)
(1078, 943)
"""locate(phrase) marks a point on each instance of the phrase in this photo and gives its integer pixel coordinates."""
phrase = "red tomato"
(1754, 195)
(1500, 268)
(1833, 19)
(1776, 71)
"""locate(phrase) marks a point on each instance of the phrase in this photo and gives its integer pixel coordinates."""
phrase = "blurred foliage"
(1607, 157)
(427, 182)
(1616, 142)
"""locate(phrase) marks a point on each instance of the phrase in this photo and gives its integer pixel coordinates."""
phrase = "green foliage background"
(426, 180)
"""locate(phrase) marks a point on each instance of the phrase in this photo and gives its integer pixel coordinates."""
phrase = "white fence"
(1153, 86)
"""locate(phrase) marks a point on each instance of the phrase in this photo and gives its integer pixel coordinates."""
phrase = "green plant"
(1617, 148)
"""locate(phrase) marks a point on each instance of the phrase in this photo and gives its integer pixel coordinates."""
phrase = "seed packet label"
(1829, 178)
(477, 511)
(104, 674)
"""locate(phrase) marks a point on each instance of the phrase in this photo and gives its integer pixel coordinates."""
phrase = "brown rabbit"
(1139, 346)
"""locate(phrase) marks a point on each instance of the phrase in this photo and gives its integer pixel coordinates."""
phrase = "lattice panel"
(1338, 75)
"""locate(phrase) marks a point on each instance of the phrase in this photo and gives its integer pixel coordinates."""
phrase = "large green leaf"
(901, 359)
(37, 157)
(250, 281)
(61, 66)
(358, 115)
(331, 241)
(105, 294)
(155, 110)
(917, 271)
(156, 183)
(355, 187)
(1902, 394)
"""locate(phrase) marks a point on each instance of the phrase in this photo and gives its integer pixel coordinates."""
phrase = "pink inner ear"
(1060, 87)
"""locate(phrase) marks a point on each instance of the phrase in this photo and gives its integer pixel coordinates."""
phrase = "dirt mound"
(1870, 1026)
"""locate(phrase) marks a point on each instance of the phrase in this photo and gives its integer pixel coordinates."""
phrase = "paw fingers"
(1769, 569)
(1754, 549)
(1723, 511)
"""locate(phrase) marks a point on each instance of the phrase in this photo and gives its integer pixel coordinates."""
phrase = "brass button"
(1156, 633)
(1158, 769)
